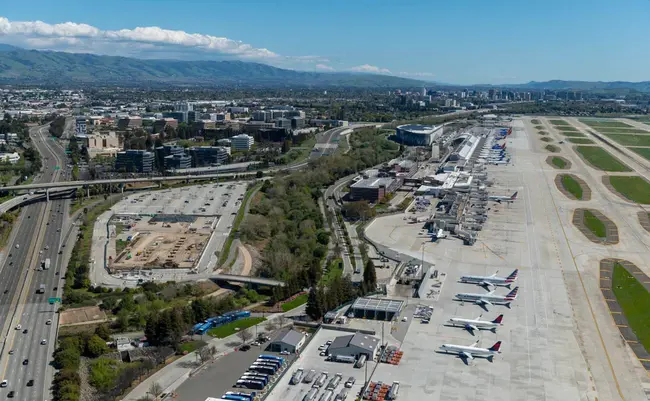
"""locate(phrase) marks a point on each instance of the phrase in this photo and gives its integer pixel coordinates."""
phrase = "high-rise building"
(209, 155)
(134, 161)
(242, 142)
(177, 162)
(80, 126)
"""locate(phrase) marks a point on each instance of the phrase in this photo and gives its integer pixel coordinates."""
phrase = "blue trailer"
(235, 397)
(220, 320)
(273, 362)
(277, 358)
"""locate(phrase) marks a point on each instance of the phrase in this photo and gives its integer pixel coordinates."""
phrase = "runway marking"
(631, 342)
(621, 325)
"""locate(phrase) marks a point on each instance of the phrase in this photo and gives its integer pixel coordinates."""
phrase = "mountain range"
(34, 67)
(21, 66)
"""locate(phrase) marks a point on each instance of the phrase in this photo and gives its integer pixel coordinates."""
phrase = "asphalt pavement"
(39, 226)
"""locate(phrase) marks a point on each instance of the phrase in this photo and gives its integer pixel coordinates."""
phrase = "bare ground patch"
(644, 219)
(611, 231)
(606, 277)
(88, 314)
(586, 191)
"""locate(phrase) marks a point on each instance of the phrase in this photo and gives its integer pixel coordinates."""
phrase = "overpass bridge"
(247, 280)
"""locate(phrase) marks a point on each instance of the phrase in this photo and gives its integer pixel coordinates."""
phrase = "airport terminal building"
(416, 135)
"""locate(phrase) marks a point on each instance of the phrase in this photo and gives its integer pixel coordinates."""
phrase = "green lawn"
(552, 148)
(558, 122)
(581, 141)
(595, 225)
(539, 127)
(644, 152)
(565, 128)
(573, 134)
(630, 140)
(546, 139)
(610, 130)
(233, 327)
(294, 303)
(191, 346)
(535, 121)
(601, 123)
(602, 159)
(634, 299)
(572, 186)
(223, 255)
(558, 162)
(634, 188)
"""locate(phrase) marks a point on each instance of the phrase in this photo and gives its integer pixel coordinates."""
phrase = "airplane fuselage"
(485, 298)
(485, 280)
(472, 351)
(472, 323)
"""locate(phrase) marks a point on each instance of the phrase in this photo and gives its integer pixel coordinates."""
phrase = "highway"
(38, 226)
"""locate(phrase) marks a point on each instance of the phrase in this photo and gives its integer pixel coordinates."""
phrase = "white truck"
(46, 264)
(41, 289)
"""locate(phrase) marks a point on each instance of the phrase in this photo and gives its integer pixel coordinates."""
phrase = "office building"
(224, 142)
(283, 123)
(181, 117)
(183, 107)
(416, 135)
(241, 142)
(134, 161)
(80, 126)
(297, 122)
(101, 144)
(209, 155)
(294, 113)
(288, 340)
(237, 110)
(193, 116)
(178, 161)
(262, 115)
(129, 122)
(373, 189)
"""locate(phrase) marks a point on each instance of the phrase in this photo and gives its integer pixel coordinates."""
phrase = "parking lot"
(309, 359)
(200, 200)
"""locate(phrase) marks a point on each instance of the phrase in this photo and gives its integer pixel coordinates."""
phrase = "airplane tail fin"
(514, 196)
(512, 294)
(496, 346)
(498, 320)
(513, 276)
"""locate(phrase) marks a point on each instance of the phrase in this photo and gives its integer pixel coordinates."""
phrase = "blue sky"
(473, 41)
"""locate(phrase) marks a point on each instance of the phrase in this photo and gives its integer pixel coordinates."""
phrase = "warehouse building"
(288, 340)
(354, 345)
(376, 308)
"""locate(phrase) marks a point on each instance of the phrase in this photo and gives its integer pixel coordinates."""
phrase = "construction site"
(163, 241)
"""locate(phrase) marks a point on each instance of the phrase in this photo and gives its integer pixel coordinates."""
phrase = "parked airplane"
(469, 352)
(500, 199)
(501, 162)
(489, 298)
(472, 325)
(491, 281)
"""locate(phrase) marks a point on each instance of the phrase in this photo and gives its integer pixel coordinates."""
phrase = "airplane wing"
(479, 317)
(467, 355)
(471, 327)
(482, 301)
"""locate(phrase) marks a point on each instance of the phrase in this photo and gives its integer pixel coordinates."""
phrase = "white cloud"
(70, 36)
(324, 67)
(370, 68)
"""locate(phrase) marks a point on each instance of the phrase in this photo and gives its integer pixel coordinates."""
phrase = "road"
(38, 226)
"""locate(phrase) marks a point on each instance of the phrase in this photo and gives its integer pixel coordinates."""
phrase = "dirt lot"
(84, 315)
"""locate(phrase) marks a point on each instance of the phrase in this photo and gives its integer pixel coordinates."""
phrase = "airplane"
(491, 281)
(500, 199)
(488, 298)
(472, 325)
(500, 162)
(469, 352)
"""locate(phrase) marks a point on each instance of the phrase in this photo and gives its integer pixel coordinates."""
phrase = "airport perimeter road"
(39, 226)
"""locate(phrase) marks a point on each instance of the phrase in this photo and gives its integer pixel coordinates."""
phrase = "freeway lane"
(24, 306)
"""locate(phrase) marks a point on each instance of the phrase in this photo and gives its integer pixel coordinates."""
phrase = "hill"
(643, 86)
(20, 66)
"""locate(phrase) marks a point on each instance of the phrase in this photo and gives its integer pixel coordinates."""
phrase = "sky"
(458, 42)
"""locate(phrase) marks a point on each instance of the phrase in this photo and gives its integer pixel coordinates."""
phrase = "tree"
(244, 335)
(270, 326)
(369, 277)
(155, 389)
(96, 346)
(103, 332)
(314, 308)
(206, 353)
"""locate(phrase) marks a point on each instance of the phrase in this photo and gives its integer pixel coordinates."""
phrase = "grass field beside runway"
(546, 139)
(552, 148)
(604, 123)
(633, 188)
(580, 141)
(558, 122)
(601, 159)
(594, 224)
(609, 130)
(539, 127)
(559, 162)
(535, 121)
(572, 186)
(572, 134)
(630, 140)
(644, 152)
(634, 299)
(565, 128)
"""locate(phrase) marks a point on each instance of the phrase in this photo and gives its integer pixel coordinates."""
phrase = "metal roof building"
(376, 308)
(354, 345)
(288, 340)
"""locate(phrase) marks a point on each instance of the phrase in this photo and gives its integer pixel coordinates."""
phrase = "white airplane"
(473, 325)
(489, 298)
(469, 352)
(500, 199)
(491, 281)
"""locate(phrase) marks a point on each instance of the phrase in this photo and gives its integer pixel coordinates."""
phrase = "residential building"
(11, 158)
(242, 142)
(209, 155)
(134, 161)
